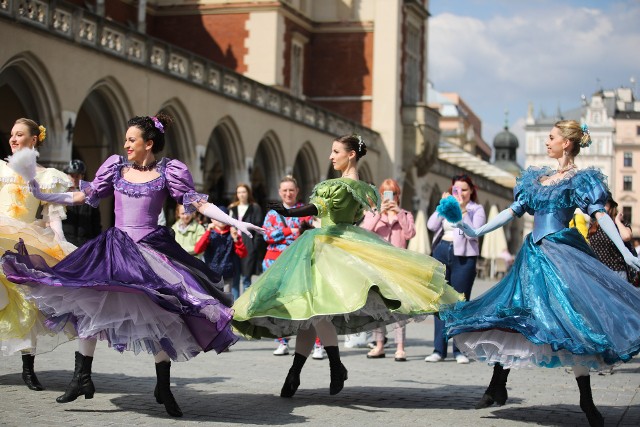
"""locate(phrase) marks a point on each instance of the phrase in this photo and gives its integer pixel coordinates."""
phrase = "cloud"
(549, 53)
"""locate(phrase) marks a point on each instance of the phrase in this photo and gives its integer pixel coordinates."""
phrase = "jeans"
(460, 273)
(235, 289)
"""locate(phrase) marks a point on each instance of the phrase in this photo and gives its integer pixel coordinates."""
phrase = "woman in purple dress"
(133, 285)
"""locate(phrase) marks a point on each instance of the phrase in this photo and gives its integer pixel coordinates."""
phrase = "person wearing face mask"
(133, 285)
(20, 320)
(458, 252)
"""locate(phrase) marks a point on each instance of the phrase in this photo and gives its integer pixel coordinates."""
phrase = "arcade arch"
(306, 170)
(222, 166)
(27, 91)
(267, 170)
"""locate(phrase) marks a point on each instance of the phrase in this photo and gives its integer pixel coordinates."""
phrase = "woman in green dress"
(339, 278)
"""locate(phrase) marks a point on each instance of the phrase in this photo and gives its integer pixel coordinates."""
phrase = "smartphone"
(387, 195)
(456, 191)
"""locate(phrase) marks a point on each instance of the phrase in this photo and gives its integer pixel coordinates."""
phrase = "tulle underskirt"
(557, 306)
(22, 326)
(141, 297)
(345, 274)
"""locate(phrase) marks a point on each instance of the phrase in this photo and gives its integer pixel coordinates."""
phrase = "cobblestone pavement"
(241, 387)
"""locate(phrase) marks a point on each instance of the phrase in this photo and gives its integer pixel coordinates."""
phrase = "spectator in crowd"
(244, 208)
(187, 230)
(396, 226)
(83, 221)
(223, 249)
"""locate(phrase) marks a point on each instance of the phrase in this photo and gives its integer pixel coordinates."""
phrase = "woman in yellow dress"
(20, 320)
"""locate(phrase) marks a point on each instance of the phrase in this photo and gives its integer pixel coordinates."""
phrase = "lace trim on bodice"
(139, 189)
(557, 194)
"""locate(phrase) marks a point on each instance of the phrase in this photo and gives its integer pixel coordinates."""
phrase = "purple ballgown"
(133, 285)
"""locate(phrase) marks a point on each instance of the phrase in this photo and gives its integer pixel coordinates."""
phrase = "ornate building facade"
(613, 117)
(258, 89)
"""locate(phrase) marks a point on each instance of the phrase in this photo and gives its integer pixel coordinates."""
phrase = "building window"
(627, 183)
(297, 65)
(411, 94)
(638, 130)
(627, 213)
(628, 160)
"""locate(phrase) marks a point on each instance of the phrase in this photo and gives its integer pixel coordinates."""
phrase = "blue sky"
(503, 54)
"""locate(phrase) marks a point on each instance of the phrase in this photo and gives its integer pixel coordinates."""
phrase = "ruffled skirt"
(145, 296)
(345, 274)
(21, 323)
(558, 306)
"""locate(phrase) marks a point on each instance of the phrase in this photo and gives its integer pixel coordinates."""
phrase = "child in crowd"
(223, 248)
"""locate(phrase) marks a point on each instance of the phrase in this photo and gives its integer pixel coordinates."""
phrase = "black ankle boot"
(586, 402)
(497, 390)
(81, 382)
(162, 392)
(292, 382)
(339, 373)
(28, 374)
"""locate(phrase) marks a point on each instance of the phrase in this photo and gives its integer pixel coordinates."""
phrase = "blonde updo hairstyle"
(34, 130)
(578, 135)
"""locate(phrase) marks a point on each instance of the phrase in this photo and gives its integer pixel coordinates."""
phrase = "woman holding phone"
(458, 252)
(396, 226)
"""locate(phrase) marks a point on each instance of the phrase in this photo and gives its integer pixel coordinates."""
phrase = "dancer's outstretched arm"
(67, 199)
(212, 211)
(610, 229)
(504, 217)
(306, 210)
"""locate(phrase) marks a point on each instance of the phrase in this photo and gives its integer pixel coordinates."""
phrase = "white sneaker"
(462, 359)
(318, 353)
(434, 357)
(282, 350)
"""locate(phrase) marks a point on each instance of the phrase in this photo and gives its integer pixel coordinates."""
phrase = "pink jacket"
(396, 232)
(463, 245)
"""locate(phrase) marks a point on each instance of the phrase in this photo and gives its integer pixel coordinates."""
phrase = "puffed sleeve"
(102, 184)
(519, 205)
(180, 186)
(53, 181)
(322, 197)
(591, 191)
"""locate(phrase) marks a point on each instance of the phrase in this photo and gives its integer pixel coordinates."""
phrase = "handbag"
(437, 239)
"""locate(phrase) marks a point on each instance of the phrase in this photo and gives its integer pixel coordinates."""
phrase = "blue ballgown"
(558, 305)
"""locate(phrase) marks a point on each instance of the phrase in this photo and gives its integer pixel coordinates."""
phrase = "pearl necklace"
(144, 168)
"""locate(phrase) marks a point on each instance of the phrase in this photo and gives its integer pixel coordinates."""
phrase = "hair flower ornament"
(360, 142)
(585, 142)
(43, 133)
(157, 124)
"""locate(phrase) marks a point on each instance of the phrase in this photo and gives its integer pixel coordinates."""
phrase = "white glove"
(607, 225)
(58, 198)
(213, 212)
(501, 219)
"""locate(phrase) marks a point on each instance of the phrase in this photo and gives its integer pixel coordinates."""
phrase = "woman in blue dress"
(555, 306)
